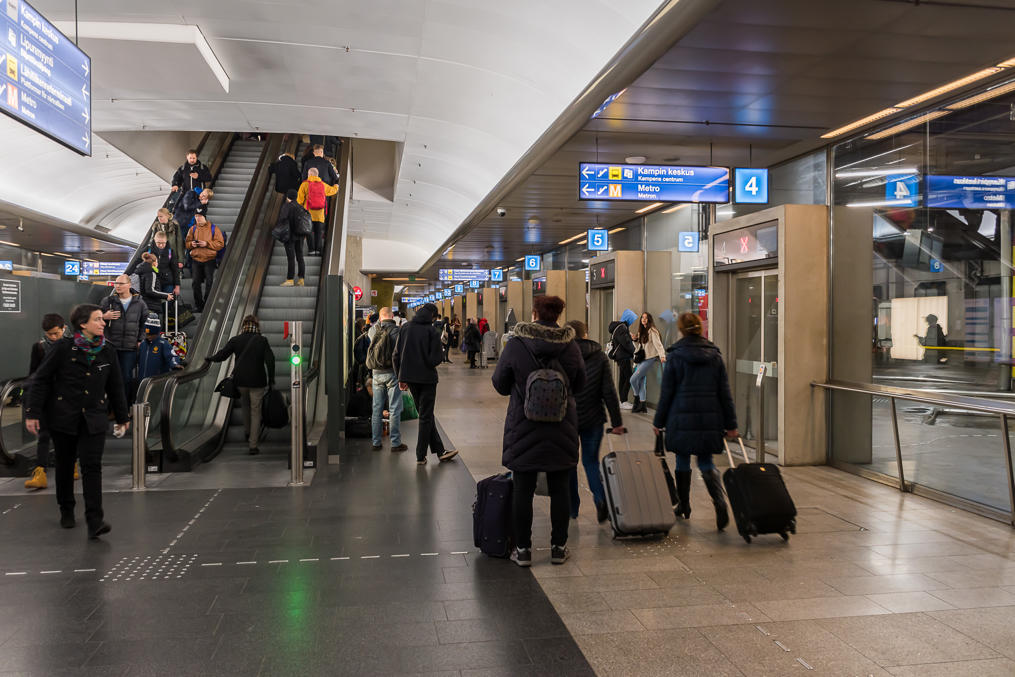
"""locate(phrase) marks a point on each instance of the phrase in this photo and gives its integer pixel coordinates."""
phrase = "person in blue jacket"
(155, 354)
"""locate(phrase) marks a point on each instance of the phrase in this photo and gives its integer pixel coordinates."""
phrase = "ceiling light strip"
(983, 96)
(617, 230)
(861, 122)
(572, 238)
(675, 208)
(648, 207)
(915, 122)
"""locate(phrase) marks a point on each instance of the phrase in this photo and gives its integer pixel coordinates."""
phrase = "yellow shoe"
(37, 480)
(299, 282)
(287, 283)
(77, 471)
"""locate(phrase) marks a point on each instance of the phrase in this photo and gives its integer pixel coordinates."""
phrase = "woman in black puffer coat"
(695, 408)
(531, 447)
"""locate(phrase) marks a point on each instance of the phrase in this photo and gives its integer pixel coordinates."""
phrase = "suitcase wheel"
(792, 526)
(747, 537)
(784, 535)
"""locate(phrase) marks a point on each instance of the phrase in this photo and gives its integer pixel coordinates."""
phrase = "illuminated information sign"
(653, 183)
(462, 275)
(971, 192)
(100, 268)
(45, 80)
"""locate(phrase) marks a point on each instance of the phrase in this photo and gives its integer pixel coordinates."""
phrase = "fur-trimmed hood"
(550, 333)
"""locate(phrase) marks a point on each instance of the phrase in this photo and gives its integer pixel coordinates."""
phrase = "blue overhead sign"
(72, 268)
(462, 275)
(459, 288)
(687, 241)
(474, 284)
(750, 186)
(497, 275)
(971, 192)
(653, 183)
(599, 240)
(7, 265)
(45, 80)
(532, 262)
(903, 191)
(936, 266)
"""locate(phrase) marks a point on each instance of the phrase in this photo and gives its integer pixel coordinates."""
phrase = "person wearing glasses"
(125, 313)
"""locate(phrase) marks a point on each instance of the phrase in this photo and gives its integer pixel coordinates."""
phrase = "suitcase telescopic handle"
(609, 441)
(743, 450)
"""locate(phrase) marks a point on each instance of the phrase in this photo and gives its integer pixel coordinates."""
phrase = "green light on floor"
(295, 359)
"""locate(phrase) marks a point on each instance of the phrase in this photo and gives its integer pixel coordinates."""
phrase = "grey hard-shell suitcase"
(636, 494)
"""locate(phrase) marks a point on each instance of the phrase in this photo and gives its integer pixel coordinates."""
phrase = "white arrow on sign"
(3, 88)
(84, 91)
(3, 59)
(587, 171)
(85, 66)
(85, 116)
(86, 140)
(586, 190)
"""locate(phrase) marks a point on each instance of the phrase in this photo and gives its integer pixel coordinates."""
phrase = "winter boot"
(37, 480)
(683, 507)
(714, 485)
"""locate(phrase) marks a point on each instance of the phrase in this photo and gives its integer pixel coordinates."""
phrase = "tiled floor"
(874, 582)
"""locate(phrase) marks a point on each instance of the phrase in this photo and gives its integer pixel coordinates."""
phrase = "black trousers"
(318, 243)
(204, 278)
(425, 395)
(624, 379)
(472, 358)
(294, 255)
(87, 448)
(558, 482)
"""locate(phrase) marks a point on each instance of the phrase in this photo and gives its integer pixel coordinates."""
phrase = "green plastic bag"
(409, 411)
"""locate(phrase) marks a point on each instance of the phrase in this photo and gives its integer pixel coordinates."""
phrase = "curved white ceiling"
(466, 85)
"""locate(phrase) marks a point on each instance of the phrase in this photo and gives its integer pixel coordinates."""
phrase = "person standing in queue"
(649, 353)
(622, 352)
(415, 360)
(695, 408)
(473, 341)
(125, 313)
(73, 389)
(534, 446)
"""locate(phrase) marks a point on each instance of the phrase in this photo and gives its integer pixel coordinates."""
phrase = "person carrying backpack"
(313, 196)
(204, 242)
(541, 368)
(382, 345)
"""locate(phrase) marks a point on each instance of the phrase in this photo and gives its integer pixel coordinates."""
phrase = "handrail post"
(140, 415)
(898, 445)
(296, 395)
(1006, 443)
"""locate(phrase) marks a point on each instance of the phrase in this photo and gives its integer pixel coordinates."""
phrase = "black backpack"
(379, 353)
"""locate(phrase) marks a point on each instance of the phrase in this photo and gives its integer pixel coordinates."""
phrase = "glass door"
(755, 326)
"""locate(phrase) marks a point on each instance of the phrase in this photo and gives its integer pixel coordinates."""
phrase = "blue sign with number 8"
(599, 240)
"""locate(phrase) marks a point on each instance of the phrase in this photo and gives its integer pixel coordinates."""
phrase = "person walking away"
(313, 196)
(385, 384)
(935, 336)
(53, 328)
(73, 390)
(290, 215)
(622, 352)
(649, 353)
(535, 439)
(204, 241)
(253, 372)
(148, 273)
(323, 165)
(125, 313)
(695, 408)
(192, 174)
(286, 172)
(415, 360)
(165, 223)
(590, 400)
(473, 341)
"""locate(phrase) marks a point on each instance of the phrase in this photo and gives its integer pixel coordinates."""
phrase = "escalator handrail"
(6, 456)
(246, 228)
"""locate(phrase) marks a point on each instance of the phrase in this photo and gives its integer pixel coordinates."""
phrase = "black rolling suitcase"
(491, 515)
(758, 496)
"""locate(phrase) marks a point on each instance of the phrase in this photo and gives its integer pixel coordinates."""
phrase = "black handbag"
(639, 356)
(227, 387)
(274, 409)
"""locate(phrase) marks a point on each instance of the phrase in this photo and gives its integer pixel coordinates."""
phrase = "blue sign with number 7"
(599, 240)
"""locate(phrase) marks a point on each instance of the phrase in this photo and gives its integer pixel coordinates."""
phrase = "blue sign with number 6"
(532, 262)
(599, 240)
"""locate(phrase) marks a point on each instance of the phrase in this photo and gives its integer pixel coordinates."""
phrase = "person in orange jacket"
(313, 197)
(204, 241)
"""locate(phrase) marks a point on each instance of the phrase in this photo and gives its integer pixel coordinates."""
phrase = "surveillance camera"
(501, 212)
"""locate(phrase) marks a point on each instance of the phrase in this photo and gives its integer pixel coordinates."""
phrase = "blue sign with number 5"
(750, 186)
(687, 242)
(599, 240)
(532, 262)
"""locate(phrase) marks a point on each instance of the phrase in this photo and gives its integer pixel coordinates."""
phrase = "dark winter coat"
(325, 169)
(126, 332)
(598, 390)
(531, 445)
(169, 272)
(620, 334)
(695, 404)
(472, 338)
(287, 174)
(418, 350)
(182, 176)
(66, 390)
(254, 368)
(155, 357)
(150, 289)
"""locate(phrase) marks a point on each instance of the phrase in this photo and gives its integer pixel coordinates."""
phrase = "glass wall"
(921, 227)
(800, 181)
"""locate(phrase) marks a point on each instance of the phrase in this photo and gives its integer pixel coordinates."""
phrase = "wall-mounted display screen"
(462, 275)
(602, 274)
(746, 245)
(653, 183)
(971, 192)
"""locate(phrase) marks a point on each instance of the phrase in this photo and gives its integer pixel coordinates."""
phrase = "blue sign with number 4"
(750, 186)
(599, 240)
(902, 191)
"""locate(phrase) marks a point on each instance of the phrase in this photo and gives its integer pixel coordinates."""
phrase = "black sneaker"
(602, 512)
(67, 520)
(99, 530)
(421, 461)
(448, 455)
(559, 554)
(522, 557)
(400, 447)
(254, 452)
(376, 447)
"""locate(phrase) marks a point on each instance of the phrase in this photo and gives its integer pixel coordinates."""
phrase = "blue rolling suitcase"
(491, 515)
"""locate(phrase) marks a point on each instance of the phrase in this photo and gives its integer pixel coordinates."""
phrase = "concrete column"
(471, 306)
(577, 297)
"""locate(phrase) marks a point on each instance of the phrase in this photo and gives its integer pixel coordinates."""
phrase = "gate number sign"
(599, 240)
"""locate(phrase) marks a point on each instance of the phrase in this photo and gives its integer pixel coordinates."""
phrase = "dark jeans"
(472, 358)
(447, 351)
(204, 278)
(525, 488)
(624, 379)
(425, 395)
(591, 439)
(127, 360)
(42, 449)
(87, 448)
(294, 256)
(318, 242)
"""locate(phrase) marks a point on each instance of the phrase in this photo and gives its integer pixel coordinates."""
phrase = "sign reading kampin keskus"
(45, 80)
(970, 192)
(653, 183)
(462, 275)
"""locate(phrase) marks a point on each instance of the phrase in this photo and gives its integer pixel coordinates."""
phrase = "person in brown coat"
(204, 241)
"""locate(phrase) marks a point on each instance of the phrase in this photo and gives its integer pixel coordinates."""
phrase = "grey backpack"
(546, 391)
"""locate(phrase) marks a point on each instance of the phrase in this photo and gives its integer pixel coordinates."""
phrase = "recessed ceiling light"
(635, 159)
(648, 208)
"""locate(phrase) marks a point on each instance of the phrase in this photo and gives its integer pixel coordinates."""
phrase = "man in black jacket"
(287, 173)
(622, 353)
(191, 174)
(323, 165)
(598, 391)
(415, 359)
(125, 313)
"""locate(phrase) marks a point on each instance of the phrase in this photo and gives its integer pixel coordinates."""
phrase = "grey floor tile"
(821, 607)
(872, 585)
(698, 616)
(669, 597)
(907, 602)
(976, 597)
(679, 653)
(601, 622)
(990, 626)
(996, 667)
